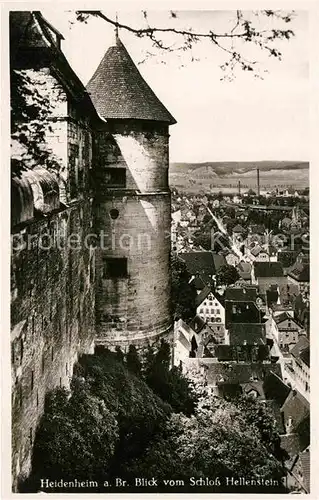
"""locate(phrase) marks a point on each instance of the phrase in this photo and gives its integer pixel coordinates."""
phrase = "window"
(115, 177)
(114, 268)
(217, 311)
(201, 311)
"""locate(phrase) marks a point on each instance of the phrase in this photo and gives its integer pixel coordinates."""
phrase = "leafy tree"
(215, 442)
(132, 360)
(183, 292)
(76, 437)
(169, 383)
(227, 275)
(259, 415)
(139, 412)
(119, 355)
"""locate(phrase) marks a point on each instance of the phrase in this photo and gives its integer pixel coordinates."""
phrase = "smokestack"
(258, 183)
(239, 188)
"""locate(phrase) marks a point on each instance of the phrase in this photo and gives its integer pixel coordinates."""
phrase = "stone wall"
(133, 303)
(52, 274)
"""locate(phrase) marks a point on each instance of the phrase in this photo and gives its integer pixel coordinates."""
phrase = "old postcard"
(160, 249)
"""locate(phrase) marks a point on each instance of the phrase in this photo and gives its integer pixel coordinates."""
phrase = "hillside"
(224, 176)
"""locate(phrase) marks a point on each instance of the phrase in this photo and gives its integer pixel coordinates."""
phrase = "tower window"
(114, 268)
(114, 213)
(115, 177)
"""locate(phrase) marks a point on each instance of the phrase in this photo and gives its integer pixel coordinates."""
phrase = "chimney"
(258, 183)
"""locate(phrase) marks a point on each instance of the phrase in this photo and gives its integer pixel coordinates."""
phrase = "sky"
(247, 119)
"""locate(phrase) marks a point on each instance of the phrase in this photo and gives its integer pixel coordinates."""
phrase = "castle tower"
(132, 205)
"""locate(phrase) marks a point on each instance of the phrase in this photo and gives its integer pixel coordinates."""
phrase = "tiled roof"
(197, 324)
(244, 269)
(256, 250)
(237, 372)
(290, 443)
(118, 90)
(199, 283)
(257, 229)
(268, 269)
(249, 333)
(296, 407)
(238, 229)
(219, 261)
(275, 388)
(241, 294)
(241, 312)
(199, 263)
(279, 318)
(301, 350)
(300, 272)
(202, 295)
(305, 467)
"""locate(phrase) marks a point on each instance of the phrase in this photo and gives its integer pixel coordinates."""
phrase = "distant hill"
(222, 169)
(225, 175)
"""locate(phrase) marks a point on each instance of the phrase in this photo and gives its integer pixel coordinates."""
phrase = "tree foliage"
(168, 382)
(31, 110)
(77, 435)
(183, 292)
(112, 424)
(248, 28)
(227, 275)
(218, 441)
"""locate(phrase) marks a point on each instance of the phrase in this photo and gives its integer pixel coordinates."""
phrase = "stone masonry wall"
(135, 221)
(52, 283)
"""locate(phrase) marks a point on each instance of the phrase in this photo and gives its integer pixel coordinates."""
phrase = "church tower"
(132, 205)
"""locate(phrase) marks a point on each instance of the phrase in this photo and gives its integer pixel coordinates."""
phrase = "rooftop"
(119, 91)
(249, 333)
(302, 350)
(199, 263)
(268, 269)
(241, 294)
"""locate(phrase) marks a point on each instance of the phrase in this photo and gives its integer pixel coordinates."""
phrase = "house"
(244, 271)
(218, 373)
(289, 330)
(185, 343)
(299, 274)
(202, 264)
(241, 305)
(301, 471)
(258, 229)
(258, 254)
(205, 330)
(254, 389)
(296, 416)
(238, 230)
(285, 223)
(210, 306)
(301, 364)
(247, 334)
(281, 298)
(199, 264)
(265, 274)
(231, 258)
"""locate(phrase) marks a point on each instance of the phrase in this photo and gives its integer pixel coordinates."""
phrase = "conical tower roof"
(118, 90)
